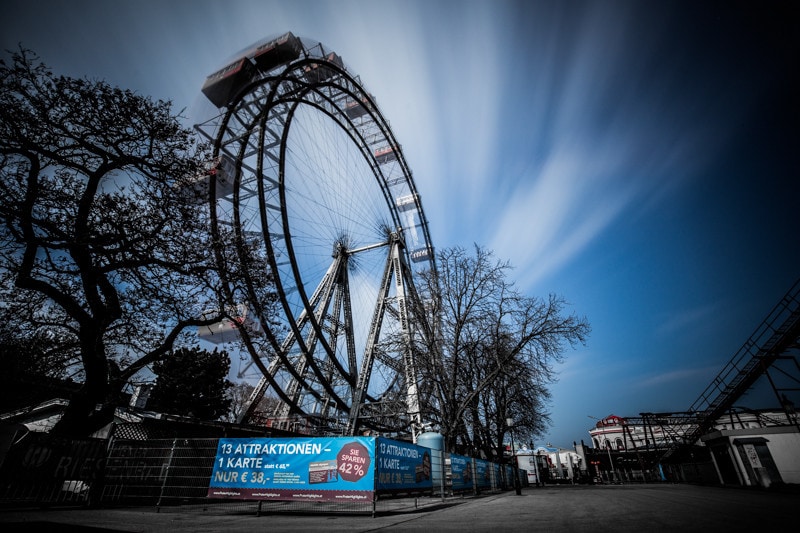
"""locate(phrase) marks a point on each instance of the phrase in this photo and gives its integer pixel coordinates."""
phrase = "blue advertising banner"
(461, 472)
(308, 469)
(403, 466)
(483, 475)
(509, 476)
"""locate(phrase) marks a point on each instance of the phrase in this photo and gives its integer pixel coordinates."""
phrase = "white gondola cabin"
(227, 329)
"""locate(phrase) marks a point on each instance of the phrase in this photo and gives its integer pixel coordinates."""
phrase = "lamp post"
(517, 485)
(610, 460)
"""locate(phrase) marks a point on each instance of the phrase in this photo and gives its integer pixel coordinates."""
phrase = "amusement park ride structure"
(309, 177)
(770, 352)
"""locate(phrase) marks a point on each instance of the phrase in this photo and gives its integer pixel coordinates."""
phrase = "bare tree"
(493, 351)
(240, 395)
(98, 245)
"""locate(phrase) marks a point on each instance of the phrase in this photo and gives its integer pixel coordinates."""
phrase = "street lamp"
(517, 485)
(610, 460)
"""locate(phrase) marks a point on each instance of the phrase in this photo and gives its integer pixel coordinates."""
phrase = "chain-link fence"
(158, 471)
(170, 473)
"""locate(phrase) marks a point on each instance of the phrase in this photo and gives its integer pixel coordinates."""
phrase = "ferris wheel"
(310, 181)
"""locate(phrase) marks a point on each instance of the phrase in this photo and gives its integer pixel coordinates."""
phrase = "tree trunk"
(91, 407)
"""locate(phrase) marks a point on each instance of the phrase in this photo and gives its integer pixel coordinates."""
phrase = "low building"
(745, 447)
(551, 464)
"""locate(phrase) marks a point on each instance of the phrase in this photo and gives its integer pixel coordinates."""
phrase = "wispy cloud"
(553, 217)
(682, 375)
(677, 322)
(618, 142)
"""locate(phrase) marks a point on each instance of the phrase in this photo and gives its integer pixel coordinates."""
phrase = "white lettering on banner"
(244, 462)
(354, 459)
(275, 448)
(401, 451)
(390, 463)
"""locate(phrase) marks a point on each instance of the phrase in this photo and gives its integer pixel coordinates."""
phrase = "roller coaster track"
(778, 333)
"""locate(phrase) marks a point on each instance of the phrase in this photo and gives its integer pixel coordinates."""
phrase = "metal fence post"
(166, 475)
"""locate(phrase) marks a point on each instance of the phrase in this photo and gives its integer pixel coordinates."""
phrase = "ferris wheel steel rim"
(292, 106)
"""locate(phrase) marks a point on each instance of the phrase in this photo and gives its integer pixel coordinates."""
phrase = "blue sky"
(635, 157)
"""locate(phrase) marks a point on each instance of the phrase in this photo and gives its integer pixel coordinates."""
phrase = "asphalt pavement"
(562, 508)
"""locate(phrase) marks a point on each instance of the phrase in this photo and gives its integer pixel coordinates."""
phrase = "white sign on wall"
(752, 455)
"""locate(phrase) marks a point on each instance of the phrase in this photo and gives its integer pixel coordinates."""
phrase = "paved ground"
(612, 508)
